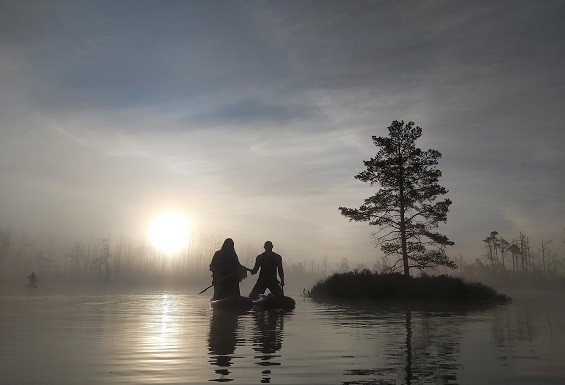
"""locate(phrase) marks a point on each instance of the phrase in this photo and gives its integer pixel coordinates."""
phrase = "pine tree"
(406, 206)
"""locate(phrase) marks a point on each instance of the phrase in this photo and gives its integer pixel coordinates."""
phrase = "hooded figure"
(227, 272)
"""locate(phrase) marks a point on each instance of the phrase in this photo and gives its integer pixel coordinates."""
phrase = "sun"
(169, 232)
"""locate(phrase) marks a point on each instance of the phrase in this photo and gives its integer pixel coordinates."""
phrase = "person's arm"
(281, 271)
(241, 270)
(257, 264)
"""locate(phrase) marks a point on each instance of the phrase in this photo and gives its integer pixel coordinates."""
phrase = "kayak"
(274, 302)
(232, 303)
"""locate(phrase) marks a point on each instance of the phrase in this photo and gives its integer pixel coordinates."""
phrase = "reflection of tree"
(432, 345)
(408, 347)
(267, 339)
(517, 323)
(222, 341)
(422, 348)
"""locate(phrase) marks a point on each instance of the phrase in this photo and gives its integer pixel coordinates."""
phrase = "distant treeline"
(514, 263)
(127, 259)
(101, 258)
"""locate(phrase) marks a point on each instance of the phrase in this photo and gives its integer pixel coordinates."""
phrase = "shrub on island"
(366, 285)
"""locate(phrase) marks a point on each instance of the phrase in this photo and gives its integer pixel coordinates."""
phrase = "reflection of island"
(267, 340)
(419, 347)
(222, 341)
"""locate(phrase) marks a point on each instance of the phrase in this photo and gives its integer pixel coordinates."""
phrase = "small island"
(367, 285)
(408, 207)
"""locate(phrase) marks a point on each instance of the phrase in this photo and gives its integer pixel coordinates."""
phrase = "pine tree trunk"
(404, 251)
(402, 218)
(403, 240)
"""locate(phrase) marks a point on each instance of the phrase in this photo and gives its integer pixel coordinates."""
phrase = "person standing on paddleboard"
(227, 272)
(270, 263)
(32, 279)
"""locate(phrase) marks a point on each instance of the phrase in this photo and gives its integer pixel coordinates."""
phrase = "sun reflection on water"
(163, 343)
(163, 333)
(165, 317)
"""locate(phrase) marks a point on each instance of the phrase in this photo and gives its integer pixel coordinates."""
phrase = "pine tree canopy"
(407, 207)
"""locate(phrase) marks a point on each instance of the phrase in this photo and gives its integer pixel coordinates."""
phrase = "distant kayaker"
(270, 263)
(227, 272)
(32, 279)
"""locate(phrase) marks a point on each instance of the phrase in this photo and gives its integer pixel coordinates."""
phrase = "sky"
(252, 117)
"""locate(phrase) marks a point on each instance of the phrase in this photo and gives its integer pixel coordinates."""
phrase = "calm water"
(175, 338)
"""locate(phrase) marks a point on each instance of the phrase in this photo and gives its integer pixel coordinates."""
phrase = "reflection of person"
(222, 341)
(267, 340)
(32, 279)
(226, 271)
(269, 262)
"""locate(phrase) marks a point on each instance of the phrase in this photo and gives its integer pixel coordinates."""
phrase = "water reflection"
(519, 331)
(419, 347)
(222, 341)
(516, 324)
(177, 339)
(262, 331)
(408, 347)
(431, 351)
(267, 340)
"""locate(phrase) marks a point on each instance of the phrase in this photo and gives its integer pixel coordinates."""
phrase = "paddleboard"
(274, 302)
(233, 303)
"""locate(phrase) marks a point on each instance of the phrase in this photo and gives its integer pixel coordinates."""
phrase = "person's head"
(228, 245)
(268, 245)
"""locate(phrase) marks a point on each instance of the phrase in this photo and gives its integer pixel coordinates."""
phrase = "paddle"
(229, 275)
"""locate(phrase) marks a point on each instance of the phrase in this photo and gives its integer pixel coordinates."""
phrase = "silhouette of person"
(32, 279)
(270, 263)
(227, 272)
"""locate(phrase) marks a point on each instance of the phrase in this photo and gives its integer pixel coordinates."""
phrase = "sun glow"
(169, 232)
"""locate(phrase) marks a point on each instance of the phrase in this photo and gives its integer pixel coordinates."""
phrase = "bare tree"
(544, 253)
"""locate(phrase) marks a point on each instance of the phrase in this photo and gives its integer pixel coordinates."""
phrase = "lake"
(175, 338)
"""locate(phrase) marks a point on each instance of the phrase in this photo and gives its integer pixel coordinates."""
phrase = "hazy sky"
(252, 117)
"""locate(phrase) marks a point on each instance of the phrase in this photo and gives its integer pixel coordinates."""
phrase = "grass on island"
(366, 285)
